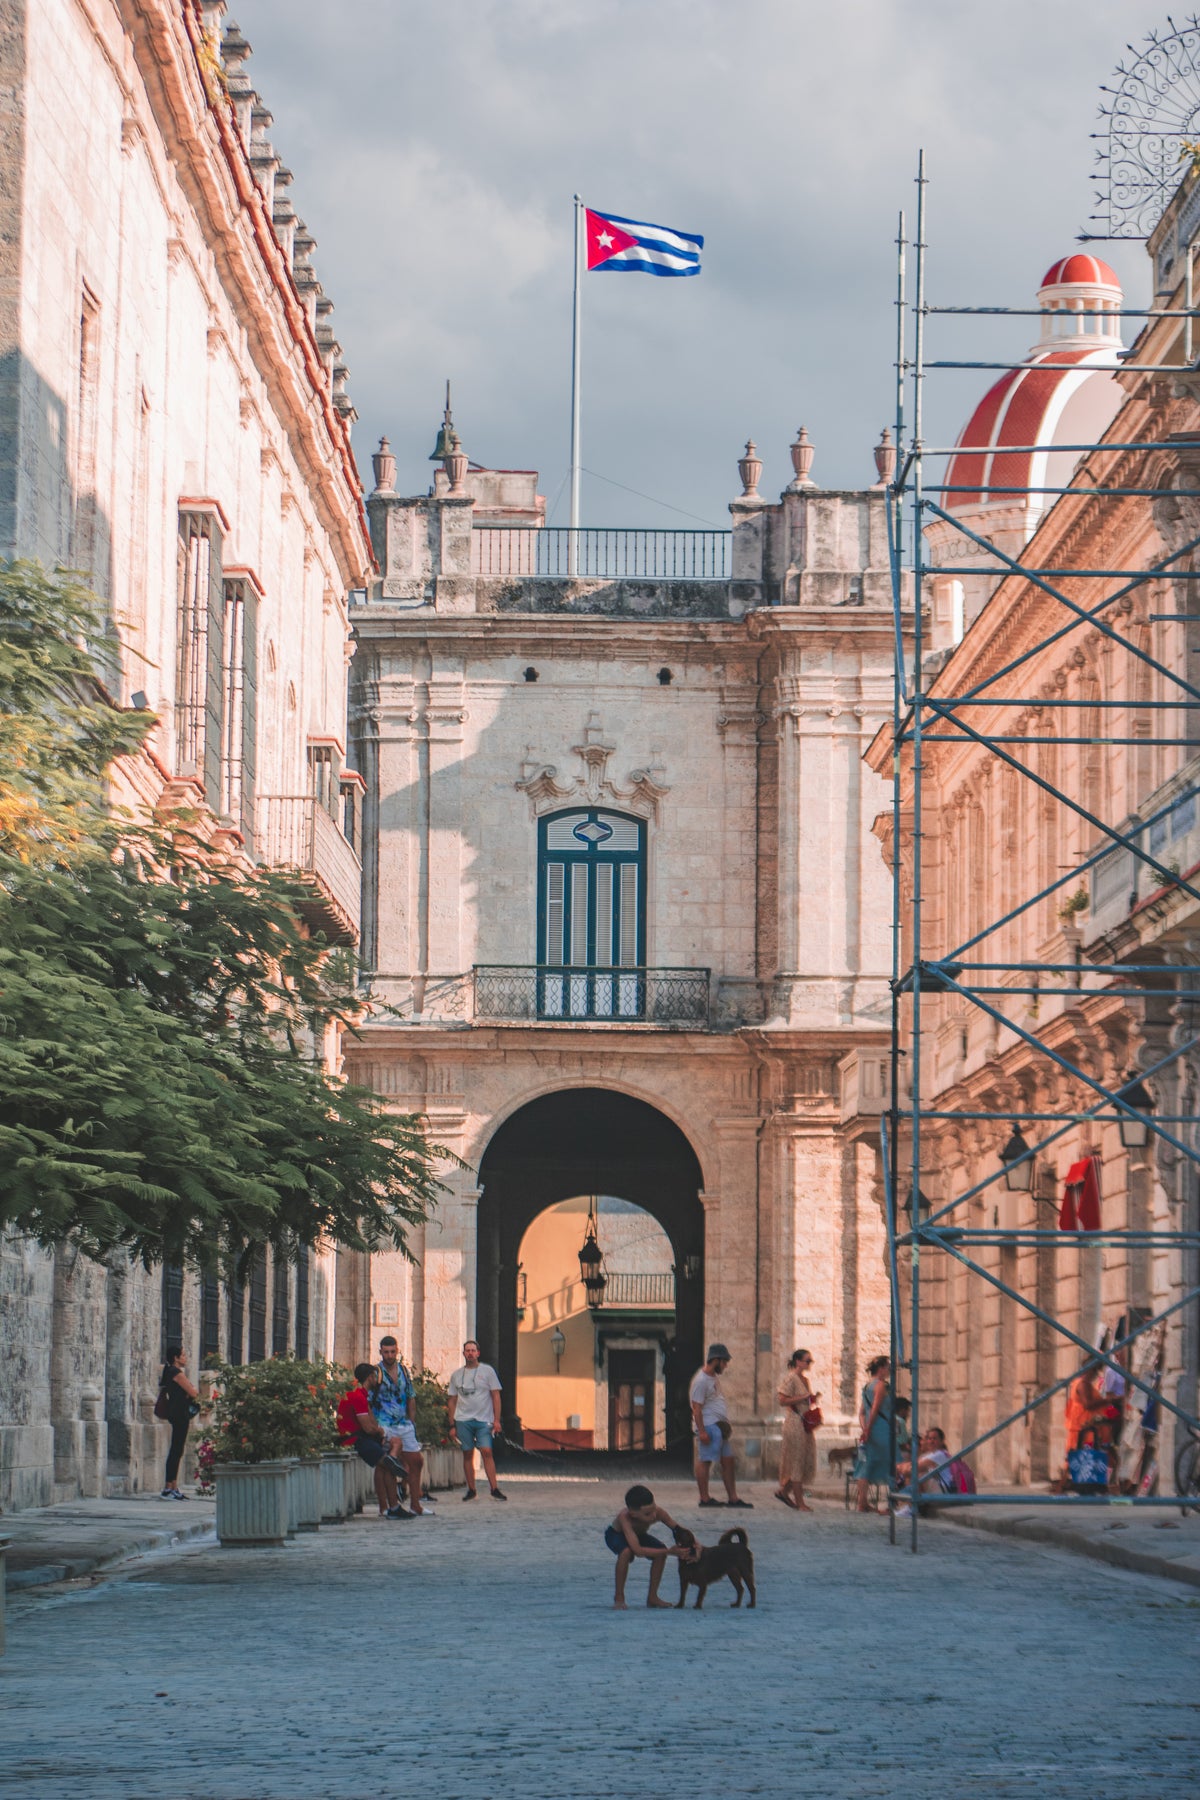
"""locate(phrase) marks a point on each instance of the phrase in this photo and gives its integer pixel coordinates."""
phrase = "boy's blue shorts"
(616, 1541)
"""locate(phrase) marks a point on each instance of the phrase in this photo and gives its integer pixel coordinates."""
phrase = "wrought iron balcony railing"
(609, 552)
(640, 1290)
(668, 997)
(296, 833)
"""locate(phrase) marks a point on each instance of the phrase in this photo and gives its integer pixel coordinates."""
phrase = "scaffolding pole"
(928, 1237)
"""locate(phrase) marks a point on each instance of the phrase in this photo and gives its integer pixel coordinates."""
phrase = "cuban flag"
(615, 243)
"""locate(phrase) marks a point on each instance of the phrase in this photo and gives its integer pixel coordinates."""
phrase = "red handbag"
(812, 1418)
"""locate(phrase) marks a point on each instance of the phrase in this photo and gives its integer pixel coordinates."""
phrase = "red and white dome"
(1064, 394)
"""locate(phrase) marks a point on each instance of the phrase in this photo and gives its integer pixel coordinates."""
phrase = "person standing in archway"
(474, 1411)
(714, 1434)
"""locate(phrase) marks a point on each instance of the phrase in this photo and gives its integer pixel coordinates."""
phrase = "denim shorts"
(716, 1448)
(474, 1434)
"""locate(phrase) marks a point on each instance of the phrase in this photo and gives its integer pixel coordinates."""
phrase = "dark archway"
(589, 1140)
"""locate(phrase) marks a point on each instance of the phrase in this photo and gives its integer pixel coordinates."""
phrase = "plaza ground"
(477, 1654)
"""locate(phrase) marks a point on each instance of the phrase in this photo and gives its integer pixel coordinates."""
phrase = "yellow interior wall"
(555, 1296)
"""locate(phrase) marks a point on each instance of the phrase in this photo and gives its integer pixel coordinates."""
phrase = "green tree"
(162, 1017)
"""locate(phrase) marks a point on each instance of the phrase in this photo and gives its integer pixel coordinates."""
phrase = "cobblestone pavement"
(478, 1655)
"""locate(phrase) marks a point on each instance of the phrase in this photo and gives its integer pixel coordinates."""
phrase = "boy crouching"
(629, 1536)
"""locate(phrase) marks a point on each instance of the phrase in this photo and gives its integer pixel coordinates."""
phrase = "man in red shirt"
(360, 1432)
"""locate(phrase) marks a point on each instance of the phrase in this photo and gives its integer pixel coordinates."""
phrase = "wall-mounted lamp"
(1135, 1132)
(1017, 1163)
(558, 1344)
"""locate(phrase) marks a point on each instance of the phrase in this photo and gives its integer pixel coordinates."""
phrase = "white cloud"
(436, 150)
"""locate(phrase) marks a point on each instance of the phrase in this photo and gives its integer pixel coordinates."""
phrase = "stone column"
(118, 1392)
(445, 716)
(454, 587)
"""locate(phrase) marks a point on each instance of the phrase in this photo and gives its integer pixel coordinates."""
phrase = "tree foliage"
(162, 1017)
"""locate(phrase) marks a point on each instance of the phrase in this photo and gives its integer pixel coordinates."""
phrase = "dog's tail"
(736, 1536)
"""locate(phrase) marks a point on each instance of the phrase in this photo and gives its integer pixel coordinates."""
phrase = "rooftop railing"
(611, 553)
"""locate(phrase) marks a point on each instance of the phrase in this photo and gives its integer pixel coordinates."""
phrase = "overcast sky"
(436, 149)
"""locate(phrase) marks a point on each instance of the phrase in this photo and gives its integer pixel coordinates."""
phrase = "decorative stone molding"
(592, 786)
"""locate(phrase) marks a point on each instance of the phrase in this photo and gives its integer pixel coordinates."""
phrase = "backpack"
(962, 1478)
(161, 1405)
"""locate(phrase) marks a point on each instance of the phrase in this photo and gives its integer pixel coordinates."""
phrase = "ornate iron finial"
(441, 450)
(384, 465)
(750, 469)
(1152, 113)
(802, 453)
(885, 459)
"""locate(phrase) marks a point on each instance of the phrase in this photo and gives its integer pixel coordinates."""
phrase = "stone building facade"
(173, 421)
(992, 839)
(624, 909)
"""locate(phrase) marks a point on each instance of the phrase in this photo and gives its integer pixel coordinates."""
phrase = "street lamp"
(1018, 1164)
(591, 1259)
(558, 1344)
(1135, 1132)
(922, 1209)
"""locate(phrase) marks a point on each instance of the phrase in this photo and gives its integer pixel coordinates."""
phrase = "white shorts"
(405, 1435)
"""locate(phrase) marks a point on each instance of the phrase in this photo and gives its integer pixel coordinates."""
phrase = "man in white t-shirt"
(710, 1420)
(474, 1409)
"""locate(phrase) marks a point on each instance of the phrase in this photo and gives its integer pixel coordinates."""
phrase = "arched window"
(591, 914)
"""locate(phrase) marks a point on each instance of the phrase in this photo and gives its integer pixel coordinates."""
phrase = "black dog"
(730, 1558)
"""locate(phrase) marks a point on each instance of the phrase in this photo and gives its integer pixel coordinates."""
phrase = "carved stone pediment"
(592, 785)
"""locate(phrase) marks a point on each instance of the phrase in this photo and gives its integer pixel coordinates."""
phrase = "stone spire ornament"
(384, 465)
(802, 453)
(455, 462)
(443, 447)
(885, 459)
(750, 469)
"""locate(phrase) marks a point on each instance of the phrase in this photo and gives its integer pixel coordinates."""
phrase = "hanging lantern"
(591, 1260)
(1135, 1132)
(1018, 1164)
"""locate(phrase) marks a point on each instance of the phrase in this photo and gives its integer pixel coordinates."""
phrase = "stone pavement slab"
(1152, 1540)
(63, 1543)
(477, 1657)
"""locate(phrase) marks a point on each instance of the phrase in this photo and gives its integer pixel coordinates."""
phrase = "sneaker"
(712, 1503)
(177, 1495)
(398, 1512)
(470, 1494)
(166, 1493)
(388, 1461)
(746, 1505)
(497, 1495)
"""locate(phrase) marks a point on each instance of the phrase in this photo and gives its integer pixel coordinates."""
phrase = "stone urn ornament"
(384, 465)
(885, 459)
(455, 463)
(750, 469)
(802, 453)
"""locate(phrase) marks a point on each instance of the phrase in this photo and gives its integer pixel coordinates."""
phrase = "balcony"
(640, 1290)
(296, 834)
(675, 999)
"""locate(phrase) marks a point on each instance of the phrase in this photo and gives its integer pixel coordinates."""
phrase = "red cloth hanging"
(1080, 1210)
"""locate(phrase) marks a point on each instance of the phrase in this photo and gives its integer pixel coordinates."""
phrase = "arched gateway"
(590, 1141)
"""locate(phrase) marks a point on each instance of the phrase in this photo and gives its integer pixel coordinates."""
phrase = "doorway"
(581, 1142)
(631, 1399)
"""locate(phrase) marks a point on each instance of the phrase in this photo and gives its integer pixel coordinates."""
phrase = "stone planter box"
(252, 1503)
(335, 1503)
(304, 1494)
(443, 1466)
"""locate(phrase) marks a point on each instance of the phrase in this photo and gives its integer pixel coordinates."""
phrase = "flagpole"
(576, 368)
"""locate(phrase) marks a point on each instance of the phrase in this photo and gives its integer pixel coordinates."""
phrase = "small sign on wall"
(386, 1312)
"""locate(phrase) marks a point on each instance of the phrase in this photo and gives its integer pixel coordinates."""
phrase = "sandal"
(787, 1500)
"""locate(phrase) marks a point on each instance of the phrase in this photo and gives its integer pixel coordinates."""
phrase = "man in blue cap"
(714, 1435)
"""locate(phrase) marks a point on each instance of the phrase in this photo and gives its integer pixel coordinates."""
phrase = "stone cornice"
(197, 126)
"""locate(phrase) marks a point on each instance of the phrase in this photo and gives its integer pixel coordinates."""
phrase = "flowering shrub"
(431, 1396)
(283, 1407)
(206, 1456)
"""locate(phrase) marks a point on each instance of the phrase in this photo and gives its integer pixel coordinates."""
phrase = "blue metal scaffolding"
(923, 1235)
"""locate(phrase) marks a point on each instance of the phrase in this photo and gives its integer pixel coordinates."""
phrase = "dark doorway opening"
(590, 1140)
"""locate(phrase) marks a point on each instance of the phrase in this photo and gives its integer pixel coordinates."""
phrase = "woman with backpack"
(178, 1403)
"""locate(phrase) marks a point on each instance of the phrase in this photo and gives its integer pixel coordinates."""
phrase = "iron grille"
(618, 996)
(610, 552)
(258, 1307)
(640, 1290)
